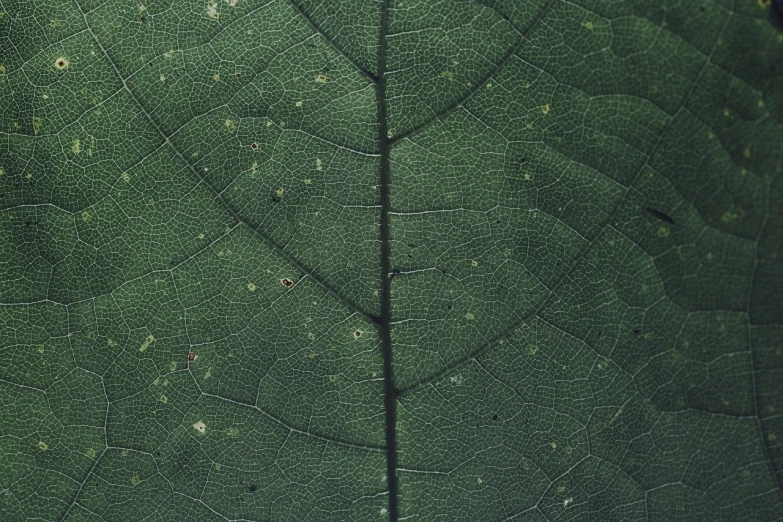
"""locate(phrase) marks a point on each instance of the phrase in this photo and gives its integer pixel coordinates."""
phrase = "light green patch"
(333, 378)
(147, 342)
(663, 232)
(469, 316)
(86, 216)
(448, 75)
(588, 25)
(135, 480)
(76, 146)
(42, 445)
(90, 453)
(36, 124)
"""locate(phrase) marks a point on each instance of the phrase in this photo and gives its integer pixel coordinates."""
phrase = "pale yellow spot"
(111, 343)
(164, 399)
(729, 216)
(90, 453)
(469, 316)
(280, 192)
(42, 445)
(532, 349)
(212, 10)
(527, 176)
(36, 124)
(588, 25)
(230, 125)
(319, 165)
(61, 63)
(201, 236)
(489, 85)
(764, 3)
(389, 134)
(251, 287)
(321, 78)
(663, 232)
(162, 79)
(200, 427)
(135, 480)
(169, 53)
(726, 112)
(299, 103)
(147, 342)
(553, 445)
(545, 109)
(479, 481)
(333, 378)
(308, 181)
(311, 336)
(746, 153)
(216, 77)
(448, 75)
(474, 264)
(86, 216)
(2, 70)
(141, 7)
(76, 146)
(233, 431)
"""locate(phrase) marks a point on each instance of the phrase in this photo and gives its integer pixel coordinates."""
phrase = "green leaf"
(225, 222)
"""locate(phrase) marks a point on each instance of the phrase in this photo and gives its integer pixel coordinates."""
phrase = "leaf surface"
(442, 260)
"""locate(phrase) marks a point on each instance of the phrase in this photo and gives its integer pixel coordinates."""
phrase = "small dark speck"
(495, 417)
(449, 307)
(238, 75)
(274, 199)
(253, 488)
(497, 221)
(523, 161)
(444, 271)
(637, 331)
(660, 215)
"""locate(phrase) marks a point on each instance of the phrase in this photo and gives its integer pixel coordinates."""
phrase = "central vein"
(390, 402)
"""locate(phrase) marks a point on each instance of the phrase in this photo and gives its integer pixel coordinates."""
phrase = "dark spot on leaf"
(253, 488)
(254, 145)
(143, 18)
(497, 221)
(275, 199)
(191, 356)
(495, 417)
(395, 272)
(660, 215)
(449, 307)
(637, 331)
(238, 75)
(357, 333)
(287, 282)
(444, 271)
(522, 161)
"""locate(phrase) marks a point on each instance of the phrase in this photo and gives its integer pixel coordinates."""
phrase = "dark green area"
(578, 205)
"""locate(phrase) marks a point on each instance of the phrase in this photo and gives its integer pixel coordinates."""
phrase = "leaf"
(225, 223)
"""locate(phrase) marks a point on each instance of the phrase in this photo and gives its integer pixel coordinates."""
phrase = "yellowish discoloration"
(448, 75)
(2, 69)
(147, 342)
(746, 153)
(125, 177)
(42, 445)
(764, 3)
(469, 316)
(321, 78)
(334, 378)
(61, 63)
(164, 399)
(86, 216)
(545, 109)
(212, 10)
(200, 427)
(319, 165)
(90, 453)
(311, 336)
(553, 445)
(474, 264)
(216, 77)
(233, 432)
(251, 287)
(663, 232)
(308, 181)
(729, 216)
(135, 480)
(76, 146)
(299, 103)
(726, 112)
(532, 349)
(36, 124)
(280, 192)
(588, 25)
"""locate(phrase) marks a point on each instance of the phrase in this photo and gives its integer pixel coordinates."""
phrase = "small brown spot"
(287, 282)
(254, 145)
(238, 75)
(191, 356)
(357, 333)
(61, 63)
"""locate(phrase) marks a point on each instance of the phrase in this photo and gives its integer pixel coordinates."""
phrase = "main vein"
(384, 320)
